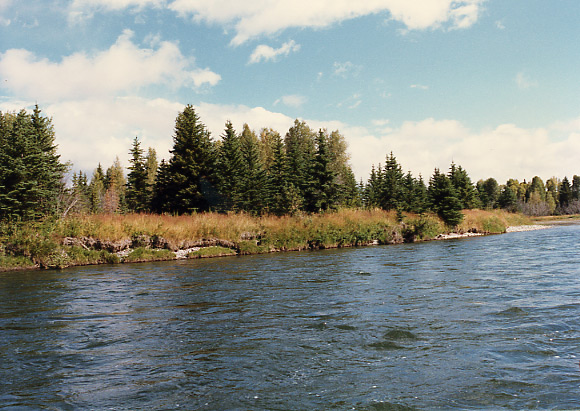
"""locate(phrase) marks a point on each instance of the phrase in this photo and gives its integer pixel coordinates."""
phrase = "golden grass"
(495, 221)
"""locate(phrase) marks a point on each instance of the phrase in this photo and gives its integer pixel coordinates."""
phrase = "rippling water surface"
(482, 323)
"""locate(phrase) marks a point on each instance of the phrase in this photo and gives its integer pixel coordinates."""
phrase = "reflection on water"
(483, 323)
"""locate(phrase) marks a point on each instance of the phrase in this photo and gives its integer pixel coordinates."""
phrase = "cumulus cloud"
(267, 53)
(266, 17)
(292, 100)
(506, 151)
(122, 68)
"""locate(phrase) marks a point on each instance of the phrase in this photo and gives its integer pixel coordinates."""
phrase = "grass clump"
(214, 251)
(142, 254)
(82, 256)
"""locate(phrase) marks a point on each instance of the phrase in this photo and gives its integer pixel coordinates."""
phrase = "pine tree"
(137, 193)
(324, 187)
(443, 199)
(31, 175)
(283, 197)
(462, 183)
(187, 183)
(565, 193)
(371, 193)
(391, 185)
(414, 194)
(230, 168)
(300, 151)
(253, 179)
(97, 190)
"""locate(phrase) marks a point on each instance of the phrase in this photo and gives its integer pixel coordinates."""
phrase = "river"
(480, 323)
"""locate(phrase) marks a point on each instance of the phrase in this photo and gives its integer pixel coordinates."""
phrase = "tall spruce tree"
(187, 183)
(31, 174)
(565, 193)
(230, 168)
(324, 187)
(300, 151)
(284, 197)
(443, 199)
(253, 180)
(137, 193)
(97, 190)
(463, 187)
(391, 186)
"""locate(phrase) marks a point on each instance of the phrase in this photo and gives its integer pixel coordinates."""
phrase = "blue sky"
(492, 85)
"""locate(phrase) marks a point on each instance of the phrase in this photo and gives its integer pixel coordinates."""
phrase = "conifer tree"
(443, 199)
(187, 183)
(391, 185)
(414, 194)
(230, 168)
(31, 175)
(576, 187)
(97, 190)
(253, 179)
(465, 190)
(371, 193)
(300, 151)
(137, 195)
(324, 187)
(283, 197)
(565, 193)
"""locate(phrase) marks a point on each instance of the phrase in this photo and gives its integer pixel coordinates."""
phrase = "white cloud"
(293, 100)
(267, 17)
(419, 86)
(346, 69)
(499, 24)
(80, 10)
(525, 82)
(97, 130)
(124, 67)
(506, 151)
(267, 53)
(4, 6)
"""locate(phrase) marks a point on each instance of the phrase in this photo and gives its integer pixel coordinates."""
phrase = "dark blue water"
(483, 323)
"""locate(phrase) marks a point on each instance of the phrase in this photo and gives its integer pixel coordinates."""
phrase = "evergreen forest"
(302, 171)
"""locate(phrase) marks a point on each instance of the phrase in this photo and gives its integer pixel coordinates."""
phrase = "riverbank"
(112, 239)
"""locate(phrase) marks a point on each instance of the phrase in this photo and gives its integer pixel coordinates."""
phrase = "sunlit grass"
(41, 243)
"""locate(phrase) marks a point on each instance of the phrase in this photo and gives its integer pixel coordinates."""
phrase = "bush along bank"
(112, 239)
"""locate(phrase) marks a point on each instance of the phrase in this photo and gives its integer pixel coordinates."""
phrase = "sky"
(491, 85)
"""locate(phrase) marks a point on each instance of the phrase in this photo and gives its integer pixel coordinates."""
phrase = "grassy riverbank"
(99, 239)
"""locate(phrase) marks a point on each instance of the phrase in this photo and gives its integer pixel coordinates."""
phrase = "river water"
(481, 323)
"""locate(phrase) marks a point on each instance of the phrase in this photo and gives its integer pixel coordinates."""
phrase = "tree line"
(266, 173)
